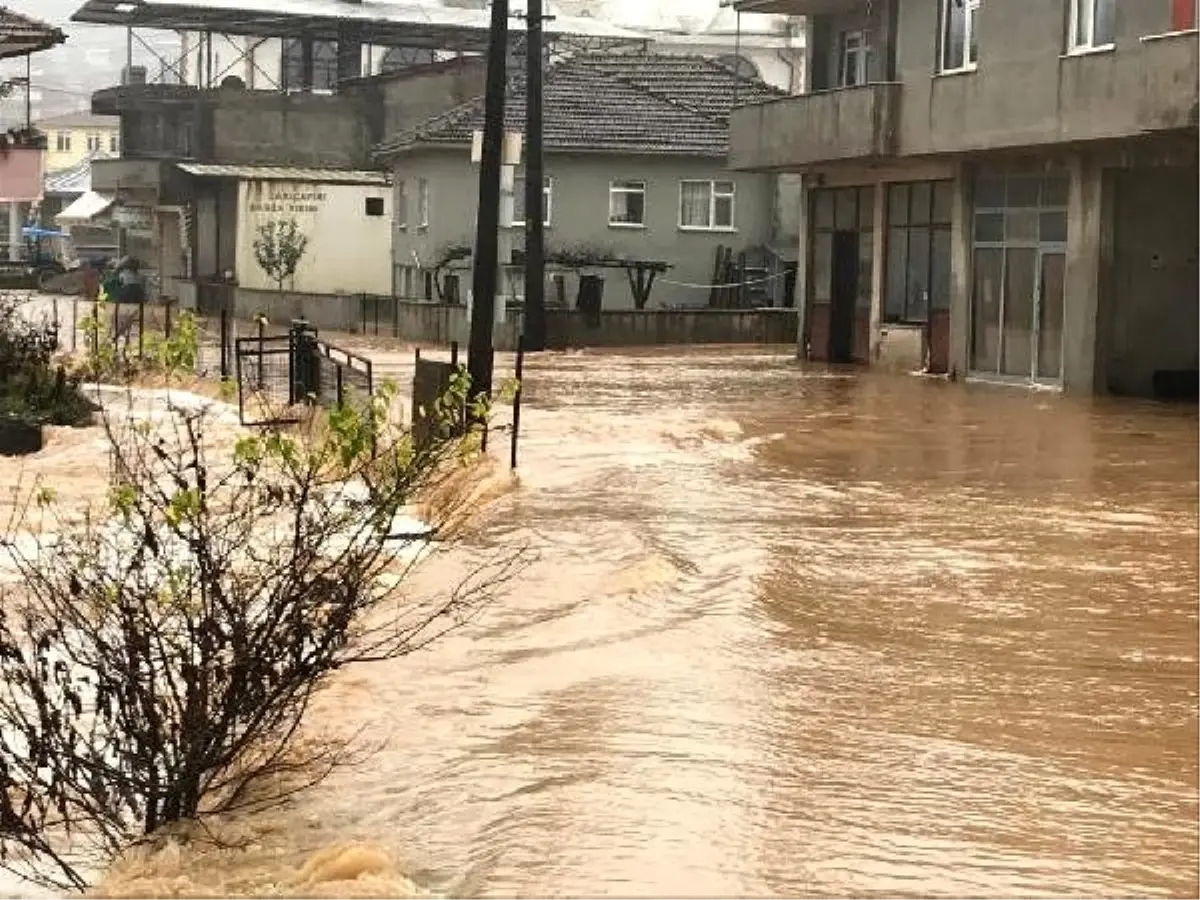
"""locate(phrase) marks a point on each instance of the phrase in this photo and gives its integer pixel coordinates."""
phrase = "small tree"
(278, 249)
(159, 655)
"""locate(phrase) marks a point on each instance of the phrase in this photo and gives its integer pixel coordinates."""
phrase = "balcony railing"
(791, 132)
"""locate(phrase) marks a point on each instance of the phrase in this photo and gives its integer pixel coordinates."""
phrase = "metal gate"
(279, 374)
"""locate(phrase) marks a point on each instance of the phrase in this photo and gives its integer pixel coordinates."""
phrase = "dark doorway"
(844, 295)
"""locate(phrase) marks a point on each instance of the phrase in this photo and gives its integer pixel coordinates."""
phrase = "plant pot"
(19, 437)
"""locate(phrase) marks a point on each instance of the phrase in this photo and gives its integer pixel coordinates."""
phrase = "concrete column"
(960, 271)
(349, 51)
(1086, 214)
(14, 231)
(878, 266)
(508, 174)
(802, 257)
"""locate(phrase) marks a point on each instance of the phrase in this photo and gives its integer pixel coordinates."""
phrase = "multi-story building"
(1001, 190)
(73, 137)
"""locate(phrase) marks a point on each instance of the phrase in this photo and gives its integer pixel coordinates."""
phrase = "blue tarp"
(37, 232)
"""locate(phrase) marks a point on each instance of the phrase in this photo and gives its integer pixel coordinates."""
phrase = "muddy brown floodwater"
(796, 631)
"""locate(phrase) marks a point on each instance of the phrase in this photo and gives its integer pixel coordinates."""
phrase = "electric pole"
(535, 197)
(483, 308)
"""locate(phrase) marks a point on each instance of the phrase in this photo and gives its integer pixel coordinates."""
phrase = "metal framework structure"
(385, 23)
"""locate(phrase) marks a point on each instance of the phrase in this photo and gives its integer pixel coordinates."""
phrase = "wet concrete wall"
(438, 323)
(656, 328)
(1154, 320)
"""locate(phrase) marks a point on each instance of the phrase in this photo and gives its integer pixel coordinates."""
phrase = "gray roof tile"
(637, 103)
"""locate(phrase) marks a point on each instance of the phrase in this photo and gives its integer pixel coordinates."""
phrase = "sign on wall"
(20, 175)
(282, 199)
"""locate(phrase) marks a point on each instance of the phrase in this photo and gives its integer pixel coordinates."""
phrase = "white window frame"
(861, 55)
(547, 200)
(970, 20)
(422, 202)
(620, 186)
(713, 195)
(114, 143)
(62, 142)
(1088, 45)
(401, 200)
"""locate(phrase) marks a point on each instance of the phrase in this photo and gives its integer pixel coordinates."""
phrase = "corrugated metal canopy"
(397, 23)
(21, 35)
(86, 208)
(285, 173)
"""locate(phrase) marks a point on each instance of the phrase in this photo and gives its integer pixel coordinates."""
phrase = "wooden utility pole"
(483, 307)
(535, 212)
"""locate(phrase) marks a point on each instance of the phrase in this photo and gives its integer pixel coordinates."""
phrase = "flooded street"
(793, 632)
(786, 631)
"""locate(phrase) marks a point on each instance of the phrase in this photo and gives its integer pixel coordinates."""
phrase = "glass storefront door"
(1018, 299)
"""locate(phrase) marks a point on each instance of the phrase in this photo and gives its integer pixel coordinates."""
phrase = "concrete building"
(92, 236)
(1006, 191)
(635, 167)
(74, 137)
(21, 146)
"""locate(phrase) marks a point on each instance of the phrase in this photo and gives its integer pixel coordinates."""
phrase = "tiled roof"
(79, 119)
(21, 35)
(638, 103)
(284, 173)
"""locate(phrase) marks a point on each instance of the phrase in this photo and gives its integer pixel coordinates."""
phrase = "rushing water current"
(795, 631)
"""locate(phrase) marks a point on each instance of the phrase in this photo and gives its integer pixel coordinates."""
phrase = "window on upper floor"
(706, 205)
(62, 142)
(94, 142)
(518, 217)
(114, 143)
(401, 205)
(627, 204)
(959, 50)
(854, 56)
(1183, 15)
(422, 202)
(1092, 24)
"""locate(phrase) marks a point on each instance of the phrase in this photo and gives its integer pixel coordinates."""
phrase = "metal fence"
(279, 373)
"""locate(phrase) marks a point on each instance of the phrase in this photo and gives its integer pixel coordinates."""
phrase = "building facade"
(1004, 191)
(75, 137)
(636, 174)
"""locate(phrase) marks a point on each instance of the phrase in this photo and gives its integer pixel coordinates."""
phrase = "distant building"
(1006, 191)
(21, 159)
(74, 137)
(635, 167)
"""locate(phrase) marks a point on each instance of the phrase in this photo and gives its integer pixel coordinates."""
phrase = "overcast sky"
(94, 55)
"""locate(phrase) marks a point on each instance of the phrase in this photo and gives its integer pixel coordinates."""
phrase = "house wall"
(1026, 91)
(268, 127)
(56, 159)
(1155, 322)
(348, 250)
(580, 216)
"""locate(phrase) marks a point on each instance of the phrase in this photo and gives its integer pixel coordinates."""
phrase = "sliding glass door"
(1018, 295)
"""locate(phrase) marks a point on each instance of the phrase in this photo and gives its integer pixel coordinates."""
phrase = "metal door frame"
(1035, 334)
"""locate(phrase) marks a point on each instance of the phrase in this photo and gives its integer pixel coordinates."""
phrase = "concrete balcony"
(1170, 66)
(856, 123)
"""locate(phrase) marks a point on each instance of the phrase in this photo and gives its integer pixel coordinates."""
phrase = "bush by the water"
(32, 387)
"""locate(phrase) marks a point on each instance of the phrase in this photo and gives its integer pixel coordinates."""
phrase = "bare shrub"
(157, 659)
